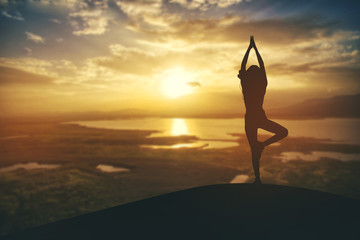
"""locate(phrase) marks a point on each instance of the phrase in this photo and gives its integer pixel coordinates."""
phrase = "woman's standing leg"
(251, 133)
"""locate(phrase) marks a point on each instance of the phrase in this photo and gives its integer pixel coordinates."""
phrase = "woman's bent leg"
(271, 126)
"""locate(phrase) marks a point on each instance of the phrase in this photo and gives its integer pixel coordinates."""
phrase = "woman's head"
(253, 71)
(253, 68)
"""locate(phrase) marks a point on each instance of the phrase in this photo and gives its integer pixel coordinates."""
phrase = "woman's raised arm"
(261, 63)
(244, 61)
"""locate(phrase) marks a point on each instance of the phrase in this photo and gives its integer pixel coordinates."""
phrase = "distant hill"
(346, 106)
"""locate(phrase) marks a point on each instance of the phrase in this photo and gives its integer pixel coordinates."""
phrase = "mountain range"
(345, 106)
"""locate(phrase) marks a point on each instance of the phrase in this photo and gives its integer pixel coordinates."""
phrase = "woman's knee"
(284, 132)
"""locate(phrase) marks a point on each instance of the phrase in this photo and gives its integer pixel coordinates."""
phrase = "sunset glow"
(176, 84)
(79, 56)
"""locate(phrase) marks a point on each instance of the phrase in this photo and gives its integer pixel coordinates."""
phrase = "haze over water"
(336, 129)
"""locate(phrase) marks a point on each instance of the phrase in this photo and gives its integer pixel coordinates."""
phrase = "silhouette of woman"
(254, 83)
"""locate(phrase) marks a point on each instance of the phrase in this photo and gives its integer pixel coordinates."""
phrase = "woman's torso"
(254, 89)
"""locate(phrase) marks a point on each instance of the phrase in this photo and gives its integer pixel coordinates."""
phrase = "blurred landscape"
(52, 170)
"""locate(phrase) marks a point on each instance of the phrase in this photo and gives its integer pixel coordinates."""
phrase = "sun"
(175, 83)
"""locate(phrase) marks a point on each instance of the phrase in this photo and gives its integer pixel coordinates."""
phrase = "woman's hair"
(253, 68)
(253, 71)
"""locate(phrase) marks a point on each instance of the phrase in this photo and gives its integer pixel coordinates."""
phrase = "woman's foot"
(257, 181)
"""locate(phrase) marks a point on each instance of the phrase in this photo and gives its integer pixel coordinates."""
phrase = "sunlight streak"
(179, 127)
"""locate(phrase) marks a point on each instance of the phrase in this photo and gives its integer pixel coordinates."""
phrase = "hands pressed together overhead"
(252, 42)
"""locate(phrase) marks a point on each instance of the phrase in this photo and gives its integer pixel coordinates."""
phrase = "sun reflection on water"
(179, 127)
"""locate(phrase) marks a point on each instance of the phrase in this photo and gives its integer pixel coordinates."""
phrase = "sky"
(180, 55)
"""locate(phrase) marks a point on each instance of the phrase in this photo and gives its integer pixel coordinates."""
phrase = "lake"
(216, 133)
(336, 129)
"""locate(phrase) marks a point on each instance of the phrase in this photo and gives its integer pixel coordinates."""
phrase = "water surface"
(111, 169)
(14, 137)
(337, 129)
(240, 178)
(317, 155)
(28, 166)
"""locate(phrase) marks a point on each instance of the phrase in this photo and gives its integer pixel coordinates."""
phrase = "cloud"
(194, 84)
(91, 22)
(155, 7)
(30, 65)
(28, 51)
(34, 38)
(162, 21)
(205, 5)
(13, 76)
(54, 20)
(158, 15)
(16, 16)
(91, 17)
(124, 52)
(314, 41)
(147, 14)
(235, 29)
(135, 8)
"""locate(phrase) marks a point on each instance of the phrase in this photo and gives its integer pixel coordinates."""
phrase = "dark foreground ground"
(225, 211)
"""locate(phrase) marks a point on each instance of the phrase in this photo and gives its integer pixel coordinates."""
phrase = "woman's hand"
(252, 42)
